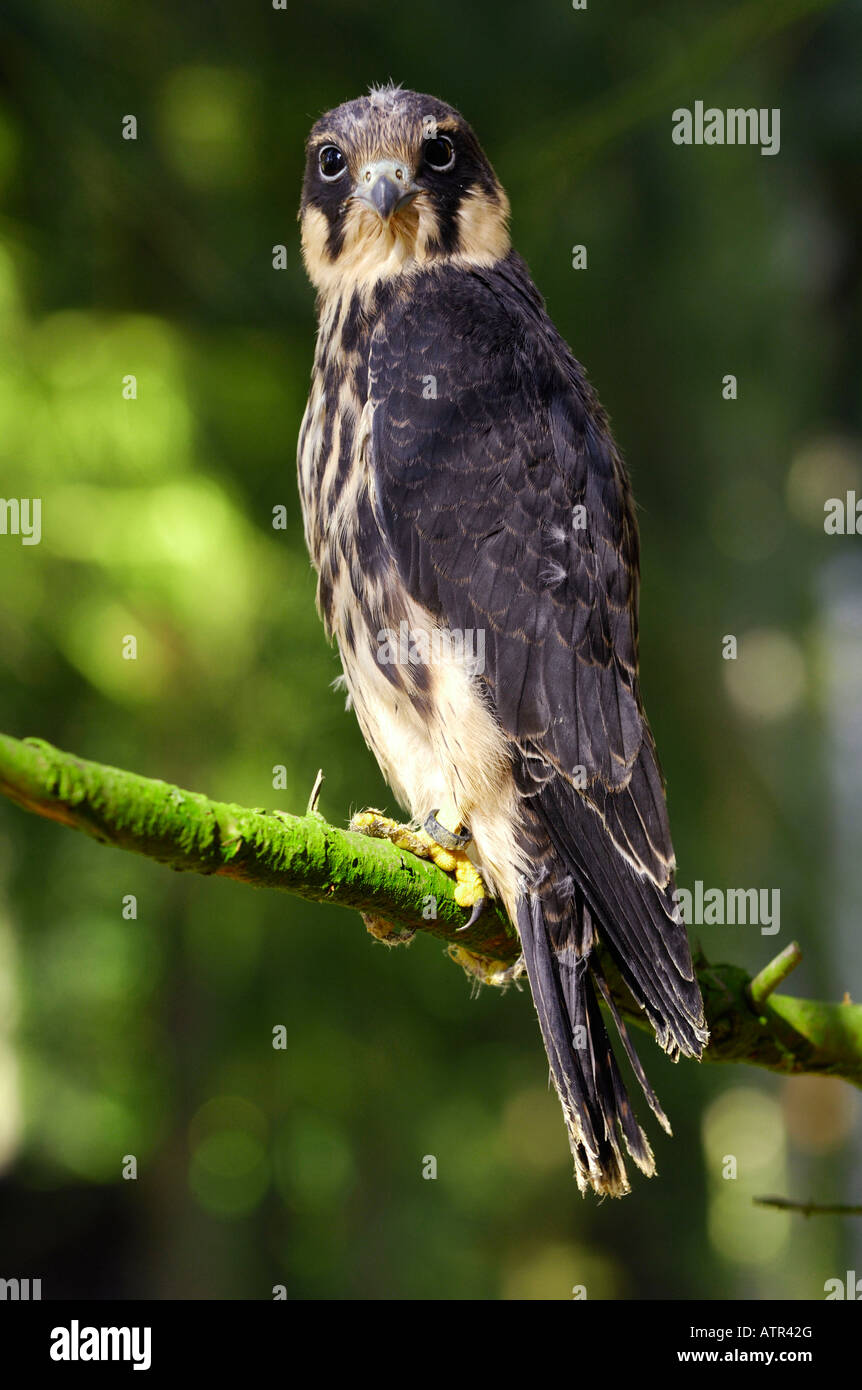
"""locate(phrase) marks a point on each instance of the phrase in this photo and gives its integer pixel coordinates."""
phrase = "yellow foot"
(382, 827)
(446, 847)
(470, 888)
(374, 823)
(485, 969)
(386, 932)
(469, 885)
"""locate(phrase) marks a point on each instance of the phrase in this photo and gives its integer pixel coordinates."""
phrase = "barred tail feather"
(584, 1068)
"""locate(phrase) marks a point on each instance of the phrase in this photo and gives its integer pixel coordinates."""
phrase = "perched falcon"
(460, 484)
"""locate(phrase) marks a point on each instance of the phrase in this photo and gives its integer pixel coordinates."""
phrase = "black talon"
(478, 908)
(448, 839)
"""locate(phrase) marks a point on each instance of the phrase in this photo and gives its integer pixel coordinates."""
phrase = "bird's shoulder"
(490, 311)
(471, 382)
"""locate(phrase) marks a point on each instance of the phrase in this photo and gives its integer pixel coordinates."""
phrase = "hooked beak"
(385, 186)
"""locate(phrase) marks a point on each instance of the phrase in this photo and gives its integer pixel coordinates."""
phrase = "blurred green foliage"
(153, 1036)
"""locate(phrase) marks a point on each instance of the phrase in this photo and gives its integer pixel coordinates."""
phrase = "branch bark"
(808, 1208)
(394, 889)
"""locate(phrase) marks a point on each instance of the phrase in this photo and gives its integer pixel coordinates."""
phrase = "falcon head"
(395, 180)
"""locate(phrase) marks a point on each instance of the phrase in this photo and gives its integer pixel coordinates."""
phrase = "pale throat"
(372, 251)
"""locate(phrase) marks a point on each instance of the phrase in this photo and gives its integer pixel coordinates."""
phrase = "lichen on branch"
(399, 893)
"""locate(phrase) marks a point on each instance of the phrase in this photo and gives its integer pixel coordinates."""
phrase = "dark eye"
(439, 153)
(332, 162)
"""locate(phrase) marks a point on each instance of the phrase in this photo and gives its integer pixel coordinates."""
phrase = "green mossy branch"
(306, 856)
(264, 848)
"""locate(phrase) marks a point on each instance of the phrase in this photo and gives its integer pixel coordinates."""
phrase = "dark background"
(153, 1037)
